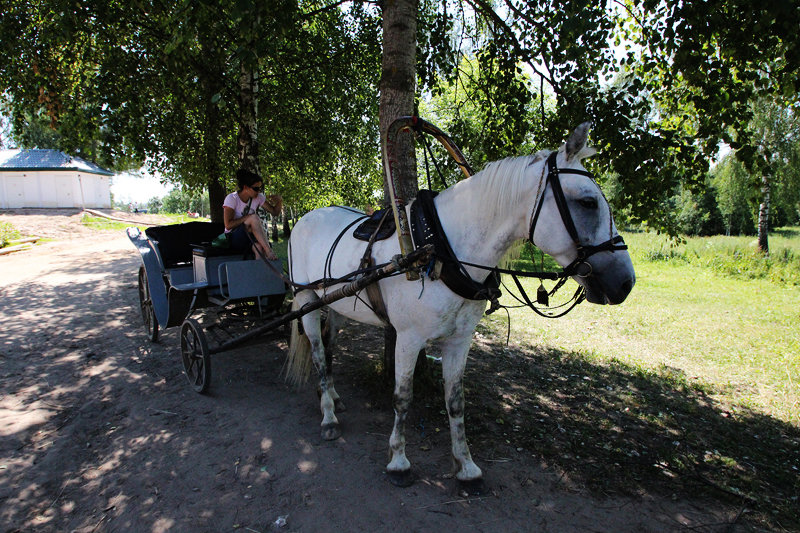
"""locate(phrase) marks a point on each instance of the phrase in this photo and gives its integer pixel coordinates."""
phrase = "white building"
(49, 178)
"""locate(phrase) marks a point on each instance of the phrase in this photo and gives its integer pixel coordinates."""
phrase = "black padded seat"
(206, 250)
(177, 241)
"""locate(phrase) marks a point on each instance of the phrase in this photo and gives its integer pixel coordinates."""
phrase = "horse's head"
(572, 222)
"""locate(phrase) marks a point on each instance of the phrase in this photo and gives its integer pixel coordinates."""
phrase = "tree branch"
(315, 12)
(481, 6)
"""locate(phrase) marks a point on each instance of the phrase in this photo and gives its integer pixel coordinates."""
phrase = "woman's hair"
(245, 177)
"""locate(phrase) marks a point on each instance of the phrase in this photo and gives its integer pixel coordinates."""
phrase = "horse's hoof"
(471, 487)
(400, 478)
(331, 431)
(339, 405)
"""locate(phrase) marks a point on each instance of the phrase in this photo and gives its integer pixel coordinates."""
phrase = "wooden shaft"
(416, 257)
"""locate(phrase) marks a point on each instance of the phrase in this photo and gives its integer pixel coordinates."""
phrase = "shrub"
(7, 234)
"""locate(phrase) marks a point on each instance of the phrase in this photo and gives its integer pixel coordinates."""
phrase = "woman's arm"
(273, 204)
(228, 218)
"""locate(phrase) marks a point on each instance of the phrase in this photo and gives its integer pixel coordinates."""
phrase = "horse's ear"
(577, 142)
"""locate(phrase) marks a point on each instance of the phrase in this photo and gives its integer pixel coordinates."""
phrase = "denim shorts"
(239, 238)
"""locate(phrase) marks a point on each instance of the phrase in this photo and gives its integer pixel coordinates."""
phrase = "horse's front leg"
(330, 424)
(454, 359)
(406, 352)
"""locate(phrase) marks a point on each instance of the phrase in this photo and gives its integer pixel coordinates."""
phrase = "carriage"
(183, 276)
(222, 299)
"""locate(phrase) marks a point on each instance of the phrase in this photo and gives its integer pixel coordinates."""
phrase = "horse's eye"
(588, 203)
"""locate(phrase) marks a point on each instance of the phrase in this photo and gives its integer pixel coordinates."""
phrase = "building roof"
(36, 159)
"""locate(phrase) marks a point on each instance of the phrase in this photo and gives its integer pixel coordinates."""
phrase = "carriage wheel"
(146, 305)
(195, 355)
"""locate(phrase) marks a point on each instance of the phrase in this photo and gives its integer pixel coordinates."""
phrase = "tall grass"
(731, 256)
(709, 309)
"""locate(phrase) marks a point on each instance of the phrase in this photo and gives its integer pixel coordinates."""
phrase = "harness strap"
(427, 229)
(374, 295)
(329, 258)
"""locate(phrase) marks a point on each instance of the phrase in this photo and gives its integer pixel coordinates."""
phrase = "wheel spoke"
(198, 380)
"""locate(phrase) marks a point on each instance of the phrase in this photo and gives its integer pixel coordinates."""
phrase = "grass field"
(691, 386)
(733, 329)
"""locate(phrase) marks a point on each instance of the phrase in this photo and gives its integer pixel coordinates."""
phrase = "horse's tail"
(297, 368)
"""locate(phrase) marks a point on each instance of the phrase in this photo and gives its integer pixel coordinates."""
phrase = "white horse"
(483, 217)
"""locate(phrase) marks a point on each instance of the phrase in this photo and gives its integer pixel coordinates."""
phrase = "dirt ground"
(99, 430)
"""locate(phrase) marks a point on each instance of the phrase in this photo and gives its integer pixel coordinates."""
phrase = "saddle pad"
(382, 220)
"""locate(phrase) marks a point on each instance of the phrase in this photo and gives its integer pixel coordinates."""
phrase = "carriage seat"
(381, 220)
(206, 249)
(177, 241)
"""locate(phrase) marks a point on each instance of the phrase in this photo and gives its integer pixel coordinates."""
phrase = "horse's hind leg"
(330, 330)
(312, 327)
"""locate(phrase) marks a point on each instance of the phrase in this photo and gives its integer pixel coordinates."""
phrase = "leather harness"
(426, 228)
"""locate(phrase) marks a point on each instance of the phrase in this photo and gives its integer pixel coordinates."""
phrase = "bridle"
(579, 267)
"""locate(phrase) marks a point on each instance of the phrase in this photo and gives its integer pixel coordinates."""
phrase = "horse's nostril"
(627, 286)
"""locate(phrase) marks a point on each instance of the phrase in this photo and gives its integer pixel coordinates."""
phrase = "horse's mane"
(502, 182)
(498, 186)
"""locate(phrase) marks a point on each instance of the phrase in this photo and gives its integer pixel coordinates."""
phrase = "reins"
(325, 282)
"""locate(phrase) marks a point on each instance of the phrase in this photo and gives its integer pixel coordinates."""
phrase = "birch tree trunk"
(398, 90)
(248, 112)
(211, 141)
(286, 217)
(763, 216)
(212, 77)
(398, 86)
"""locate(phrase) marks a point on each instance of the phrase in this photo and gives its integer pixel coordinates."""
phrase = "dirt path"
(99, 430)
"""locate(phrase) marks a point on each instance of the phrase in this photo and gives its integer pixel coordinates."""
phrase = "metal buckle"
(587, 270)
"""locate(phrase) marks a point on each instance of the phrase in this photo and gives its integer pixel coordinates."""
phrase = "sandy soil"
(99, 430)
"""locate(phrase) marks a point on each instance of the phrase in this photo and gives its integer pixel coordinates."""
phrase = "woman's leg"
(256, 229)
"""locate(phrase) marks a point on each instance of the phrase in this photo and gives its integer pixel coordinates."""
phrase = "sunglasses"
(257, 189)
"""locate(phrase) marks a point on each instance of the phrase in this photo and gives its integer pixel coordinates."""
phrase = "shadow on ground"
(103, 433)
(614, 429)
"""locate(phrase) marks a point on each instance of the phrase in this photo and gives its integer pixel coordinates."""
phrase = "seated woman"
(241, 220)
